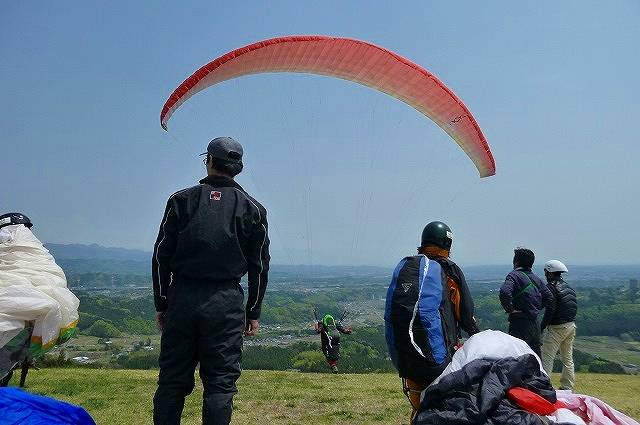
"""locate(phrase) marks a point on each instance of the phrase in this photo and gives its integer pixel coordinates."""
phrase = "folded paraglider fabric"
(476, 394)
(33, 289)
(532, 402)
(487, 344)
(592, 410)
(565, 416)
(497, 379)
(21, 407)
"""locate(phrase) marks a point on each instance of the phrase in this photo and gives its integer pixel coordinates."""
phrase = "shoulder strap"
(526, 288)
(454, 296)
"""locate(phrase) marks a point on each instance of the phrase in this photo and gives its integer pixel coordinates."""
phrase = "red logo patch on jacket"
(215, 195)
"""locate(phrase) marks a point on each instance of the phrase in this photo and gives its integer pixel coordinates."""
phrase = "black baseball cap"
(225, 149)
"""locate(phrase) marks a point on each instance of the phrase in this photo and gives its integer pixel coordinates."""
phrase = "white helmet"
(553, 266)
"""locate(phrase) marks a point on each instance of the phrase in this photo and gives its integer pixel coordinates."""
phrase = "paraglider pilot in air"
(210, 236)
(330, 331)
(428, 304)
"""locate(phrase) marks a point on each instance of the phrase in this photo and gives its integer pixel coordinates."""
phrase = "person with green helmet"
(330, 330)
(436, 245)
(427, 306)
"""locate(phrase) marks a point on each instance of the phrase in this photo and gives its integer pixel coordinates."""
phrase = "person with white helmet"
(558, 324)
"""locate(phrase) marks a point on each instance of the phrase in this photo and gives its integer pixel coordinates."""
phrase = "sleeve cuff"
(253, 315)
(161, 306)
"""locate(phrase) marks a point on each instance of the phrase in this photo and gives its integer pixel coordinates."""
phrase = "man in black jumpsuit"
(211, 235)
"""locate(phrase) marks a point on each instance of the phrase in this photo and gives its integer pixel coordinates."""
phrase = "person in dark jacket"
(523, 295)
(444, 309)
(211, 235)
(330, 331)
(558, 324)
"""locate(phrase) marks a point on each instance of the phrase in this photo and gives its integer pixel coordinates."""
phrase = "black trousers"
(528, 330)
(331, 352)
(203, 324)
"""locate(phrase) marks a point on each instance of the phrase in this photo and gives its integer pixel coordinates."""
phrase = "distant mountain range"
(78, 258)
(95, 252)
(94, 258)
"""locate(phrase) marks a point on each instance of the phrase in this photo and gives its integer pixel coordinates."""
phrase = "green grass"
(266, 397)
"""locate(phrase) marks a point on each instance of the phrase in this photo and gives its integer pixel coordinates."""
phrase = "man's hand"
(160, 320)
(251, 329)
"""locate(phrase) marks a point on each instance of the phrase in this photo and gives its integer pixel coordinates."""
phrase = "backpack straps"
(422, 276)
(526, 288)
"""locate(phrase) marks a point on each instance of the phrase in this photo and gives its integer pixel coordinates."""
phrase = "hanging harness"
(413, 391)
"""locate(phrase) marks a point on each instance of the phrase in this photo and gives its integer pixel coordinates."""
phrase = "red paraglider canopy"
(352, 60)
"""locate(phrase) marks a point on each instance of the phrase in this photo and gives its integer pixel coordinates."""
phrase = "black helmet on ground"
(15, 218)
(437, 233)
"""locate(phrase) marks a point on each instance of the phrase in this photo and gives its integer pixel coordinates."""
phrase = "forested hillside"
(121, 325)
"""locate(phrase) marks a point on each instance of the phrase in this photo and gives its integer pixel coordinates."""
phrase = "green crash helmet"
(437, 233)
(328, 321)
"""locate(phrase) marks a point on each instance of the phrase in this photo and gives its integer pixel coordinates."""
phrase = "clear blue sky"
(349, 175)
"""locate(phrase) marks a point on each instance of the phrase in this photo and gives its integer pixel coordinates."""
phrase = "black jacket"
(467, 321)
(525, 292)
(564, 306)
(212, 232)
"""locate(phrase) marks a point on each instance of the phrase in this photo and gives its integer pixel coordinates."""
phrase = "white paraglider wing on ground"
(487, 344)
(33, 288)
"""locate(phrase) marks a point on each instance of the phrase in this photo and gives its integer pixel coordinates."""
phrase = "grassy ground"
(124, 396)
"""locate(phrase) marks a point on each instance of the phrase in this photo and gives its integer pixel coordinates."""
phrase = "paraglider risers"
(25, 363)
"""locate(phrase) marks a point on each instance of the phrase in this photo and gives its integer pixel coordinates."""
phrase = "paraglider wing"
(352, 60)
(37, 310)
